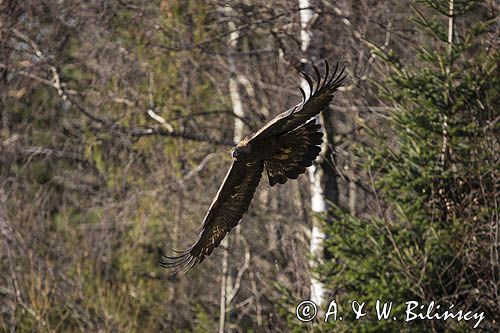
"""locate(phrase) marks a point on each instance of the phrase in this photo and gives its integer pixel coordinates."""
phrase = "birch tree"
(322, 176)
(237, 106)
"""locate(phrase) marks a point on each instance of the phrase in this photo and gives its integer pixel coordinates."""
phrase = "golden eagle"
(285, 146)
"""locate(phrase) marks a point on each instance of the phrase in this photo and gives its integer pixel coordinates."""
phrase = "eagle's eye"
(234, 153)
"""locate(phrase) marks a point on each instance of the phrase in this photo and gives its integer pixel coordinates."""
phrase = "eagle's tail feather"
(299, 149)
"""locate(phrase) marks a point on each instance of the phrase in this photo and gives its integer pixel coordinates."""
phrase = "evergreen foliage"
(435, 182)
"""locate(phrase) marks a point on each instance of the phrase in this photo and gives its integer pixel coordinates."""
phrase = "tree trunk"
(238, 135)
(324, 187)
(316, 175)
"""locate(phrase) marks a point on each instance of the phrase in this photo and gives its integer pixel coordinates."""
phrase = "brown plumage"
(285, 147)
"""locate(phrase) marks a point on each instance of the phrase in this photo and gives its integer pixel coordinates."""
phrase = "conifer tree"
(435, 181)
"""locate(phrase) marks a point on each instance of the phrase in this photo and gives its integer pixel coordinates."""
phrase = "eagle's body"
(259, 150)
(284, 147)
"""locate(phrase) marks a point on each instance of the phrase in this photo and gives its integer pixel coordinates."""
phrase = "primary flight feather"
(285, 147)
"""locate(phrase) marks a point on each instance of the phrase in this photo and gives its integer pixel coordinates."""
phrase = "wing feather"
(299, 148)
(318, 99)
(227, 208)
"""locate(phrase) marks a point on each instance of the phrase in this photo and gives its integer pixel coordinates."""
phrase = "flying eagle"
(284, 147)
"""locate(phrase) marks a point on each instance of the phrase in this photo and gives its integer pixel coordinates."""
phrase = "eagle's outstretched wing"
(226, 210)
(318, 99)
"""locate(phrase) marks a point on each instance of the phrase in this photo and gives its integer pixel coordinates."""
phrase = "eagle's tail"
(299, 148)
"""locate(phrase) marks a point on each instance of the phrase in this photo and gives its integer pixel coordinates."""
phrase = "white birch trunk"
(305, 18)
(237, 105)
(448, 71)
(318, 206)
(318, 201)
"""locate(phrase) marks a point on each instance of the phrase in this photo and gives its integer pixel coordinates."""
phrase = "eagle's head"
(240, 152)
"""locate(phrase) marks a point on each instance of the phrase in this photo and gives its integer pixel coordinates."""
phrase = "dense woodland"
(117, 120)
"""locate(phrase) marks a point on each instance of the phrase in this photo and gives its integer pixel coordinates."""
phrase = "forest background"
(116, 121)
